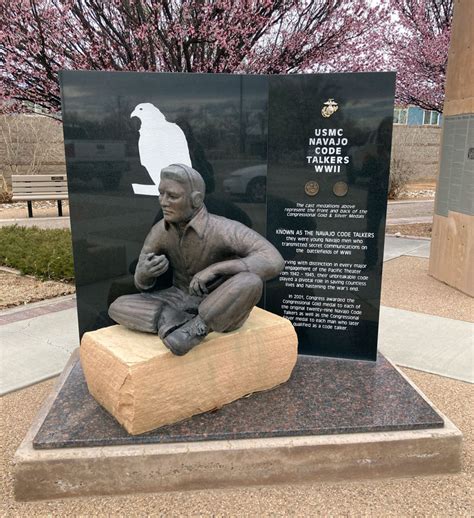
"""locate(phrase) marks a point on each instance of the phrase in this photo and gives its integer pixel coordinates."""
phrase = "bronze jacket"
(207, 240)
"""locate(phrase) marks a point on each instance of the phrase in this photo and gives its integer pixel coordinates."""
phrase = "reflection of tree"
(114, 122)
(198, 156)
(231, 128)
(377, 169)
(101, 147)
(256, 120)
(295, 114)
(215, 126)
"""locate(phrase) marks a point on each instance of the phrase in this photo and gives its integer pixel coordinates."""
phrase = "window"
(430, 118)
(400, 115)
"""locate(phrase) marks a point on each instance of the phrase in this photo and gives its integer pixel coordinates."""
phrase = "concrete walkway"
(64, 222)
(52, 222)
(398, 213)
(427, 342)
(398, 246)
(36, 340)
(410, 211)
(409, 220)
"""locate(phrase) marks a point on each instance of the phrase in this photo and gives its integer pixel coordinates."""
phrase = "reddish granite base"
(323, 396)
(199, 463)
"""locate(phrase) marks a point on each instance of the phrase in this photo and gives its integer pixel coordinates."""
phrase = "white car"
(250, 182)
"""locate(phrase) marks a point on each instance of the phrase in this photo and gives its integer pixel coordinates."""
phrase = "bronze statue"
(218, 264)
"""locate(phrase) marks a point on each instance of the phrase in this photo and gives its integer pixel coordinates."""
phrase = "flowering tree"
(418, 49)
(41, 37)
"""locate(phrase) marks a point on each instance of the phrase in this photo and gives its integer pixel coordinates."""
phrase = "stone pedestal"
(144, 386)
(333, 421)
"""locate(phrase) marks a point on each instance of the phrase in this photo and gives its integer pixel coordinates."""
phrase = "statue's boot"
(183, 339)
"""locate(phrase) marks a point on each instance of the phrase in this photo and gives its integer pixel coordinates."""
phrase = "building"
(416, 116)
(416, 142)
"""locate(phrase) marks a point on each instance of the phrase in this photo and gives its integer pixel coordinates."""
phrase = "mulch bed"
(16, 290)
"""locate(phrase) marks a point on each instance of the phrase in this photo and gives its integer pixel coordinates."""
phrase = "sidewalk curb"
(409, 237)
(414, 200)
(7, 269)
(39, 218)
(46, 302)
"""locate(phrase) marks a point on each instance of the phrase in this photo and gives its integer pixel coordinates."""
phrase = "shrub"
(399, 175)
(6, 196)
(44, 253)
(5, 193)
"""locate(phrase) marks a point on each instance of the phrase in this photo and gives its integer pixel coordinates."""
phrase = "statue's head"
(182, 191)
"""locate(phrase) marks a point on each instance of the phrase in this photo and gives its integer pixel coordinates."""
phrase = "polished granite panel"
(323, 396)
(328, 221)
(253, 139)
(223, 117)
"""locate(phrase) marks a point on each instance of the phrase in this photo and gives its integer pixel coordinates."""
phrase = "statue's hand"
(152, 265)
(197, 286)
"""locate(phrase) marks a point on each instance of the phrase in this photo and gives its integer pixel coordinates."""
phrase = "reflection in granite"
(323, 396)
(224, 119)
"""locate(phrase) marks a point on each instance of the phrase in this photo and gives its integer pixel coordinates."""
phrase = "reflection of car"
(250, 182)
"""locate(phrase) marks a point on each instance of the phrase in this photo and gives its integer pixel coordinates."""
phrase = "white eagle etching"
(161, 143)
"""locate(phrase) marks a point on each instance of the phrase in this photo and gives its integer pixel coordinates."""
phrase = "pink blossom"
(40, 37)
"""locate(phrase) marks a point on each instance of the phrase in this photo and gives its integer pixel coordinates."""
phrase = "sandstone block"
(144, 386)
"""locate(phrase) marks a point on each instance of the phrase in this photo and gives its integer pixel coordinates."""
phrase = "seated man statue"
(218, 266)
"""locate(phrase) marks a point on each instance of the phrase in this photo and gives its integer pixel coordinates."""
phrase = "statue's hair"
(186, 175)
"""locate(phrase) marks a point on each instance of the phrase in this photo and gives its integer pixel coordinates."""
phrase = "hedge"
(44, 253)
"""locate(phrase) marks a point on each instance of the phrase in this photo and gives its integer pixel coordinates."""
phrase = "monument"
(219, 266)
(301, 161)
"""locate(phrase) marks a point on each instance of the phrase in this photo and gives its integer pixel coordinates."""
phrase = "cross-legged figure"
(219, 266)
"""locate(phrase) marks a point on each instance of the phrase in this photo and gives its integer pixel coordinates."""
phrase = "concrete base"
(72, 472)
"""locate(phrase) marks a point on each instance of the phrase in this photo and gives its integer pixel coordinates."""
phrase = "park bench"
(40, 187)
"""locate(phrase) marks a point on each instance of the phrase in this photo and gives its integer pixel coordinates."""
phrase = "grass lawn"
(44, 253)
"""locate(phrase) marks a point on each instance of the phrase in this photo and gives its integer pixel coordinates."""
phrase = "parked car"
(250, 182)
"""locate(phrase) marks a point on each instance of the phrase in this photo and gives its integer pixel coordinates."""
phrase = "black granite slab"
(323, 396)
(262, 144)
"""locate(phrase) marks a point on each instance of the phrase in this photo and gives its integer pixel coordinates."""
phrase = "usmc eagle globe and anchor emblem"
(330, 107)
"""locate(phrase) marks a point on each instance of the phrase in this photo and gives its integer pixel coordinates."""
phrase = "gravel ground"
(447, 495)
(419, 194)
(412, 229)
(41, 209)
(407, 285)
(421, 190)
(16, 290)
(409, 210)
